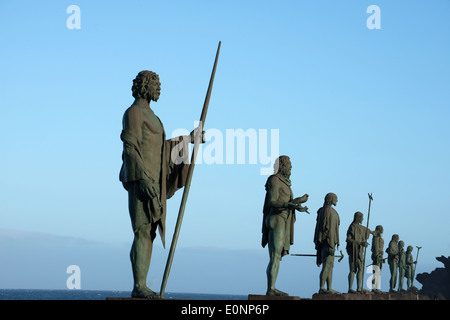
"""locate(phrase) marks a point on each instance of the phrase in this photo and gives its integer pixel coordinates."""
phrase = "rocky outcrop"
(436, 284)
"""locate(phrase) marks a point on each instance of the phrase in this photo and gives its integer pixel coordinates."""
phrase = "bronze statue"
(409, 267)
(326, 239)
(392, 252)
(377, 254)
(278, 219)
(148, 174)
(401, 264)
(357, 236)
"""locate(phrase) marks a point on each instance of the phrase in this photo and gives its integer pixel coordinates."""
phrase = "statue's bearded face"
(334, 201)
(285, 167)
(154, 88)
(359, 217)
(379, 229)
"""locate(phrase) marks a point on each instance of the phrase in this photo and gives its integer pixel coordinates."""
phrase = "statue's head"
(395, 237)
(283, 165)
(401, 244)
(358, 217)
(146, 85)
(330, 199)
(379, 229)
(409, 249)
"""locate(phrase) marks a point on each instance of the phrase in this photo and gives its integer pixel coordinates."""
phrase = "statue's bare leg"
(351, 275)
(330, 263)
(393, 280)
(141, 249)
(324, 272)
(326, 275)
(140, 256)
(360, 278)
(275, 245)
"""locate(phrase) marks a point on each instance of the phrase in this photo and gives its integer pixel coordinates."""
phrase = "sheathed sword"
(189, 178)
(315, 255)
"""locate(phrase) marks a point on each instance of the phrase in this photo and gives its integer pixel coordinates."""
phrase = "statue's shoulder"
(276, 182)
(352, 227)
(273, 183)
(272, 180)
(329, 210)
(129, 112)
(134, 109)
(135, 115)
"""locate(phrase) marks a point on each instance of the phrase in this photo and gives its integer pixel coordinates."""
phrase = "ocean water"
(41, 294)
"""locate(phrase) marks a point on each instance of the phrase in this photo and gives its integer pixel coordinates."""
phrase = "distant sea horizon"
(80, 294)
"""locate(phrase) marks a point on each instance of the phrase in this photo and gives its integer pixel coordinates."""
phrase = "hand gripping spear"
(189, 178)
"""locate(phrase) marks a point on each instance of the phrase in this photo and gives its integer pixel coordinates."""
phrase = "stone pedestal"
(271, 298)
(368, 296)
(129, 298)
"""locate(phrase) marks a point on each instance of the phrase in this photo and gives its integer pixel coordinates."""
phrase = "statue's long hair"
(280, 165)
(329, 199)
(356, 215)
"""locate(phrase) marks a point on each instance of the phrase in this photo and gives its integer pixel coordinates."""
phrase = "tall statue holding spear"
(149, 174)
(357, 236)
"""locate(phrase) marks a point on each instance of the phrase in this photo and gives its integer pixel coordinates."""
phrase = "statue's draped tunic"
(377, 250)
(409, 265)
(392, 252)
(356, 234)
(137, 165)
(326, 234)
(276, 183)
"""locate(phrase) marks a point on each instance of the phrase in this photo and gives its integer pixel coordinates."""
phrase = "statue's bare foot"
(363, 291)
(331, 291)
(328, 291)
(376, 291)
(276, 292)
(145, 293)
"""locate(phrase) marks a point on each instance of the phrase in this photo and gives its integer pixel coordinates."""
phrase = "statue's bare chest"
(152, 125)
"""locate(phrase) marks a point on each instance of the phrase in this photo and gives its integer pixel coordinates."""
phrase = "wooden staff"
(189, 178)
(415, 265)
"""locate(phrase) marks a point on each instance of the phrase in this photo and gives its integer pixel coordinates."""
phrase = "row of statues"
(278, 229)
(400, 261)
(150, 178)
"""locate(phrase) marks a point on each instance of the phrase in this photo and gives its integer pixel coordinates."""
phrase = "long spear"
(367, 228)
(189, 178)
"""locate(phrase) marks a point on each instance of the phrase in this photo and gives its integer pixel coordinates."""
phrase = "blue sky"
(358, 111)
